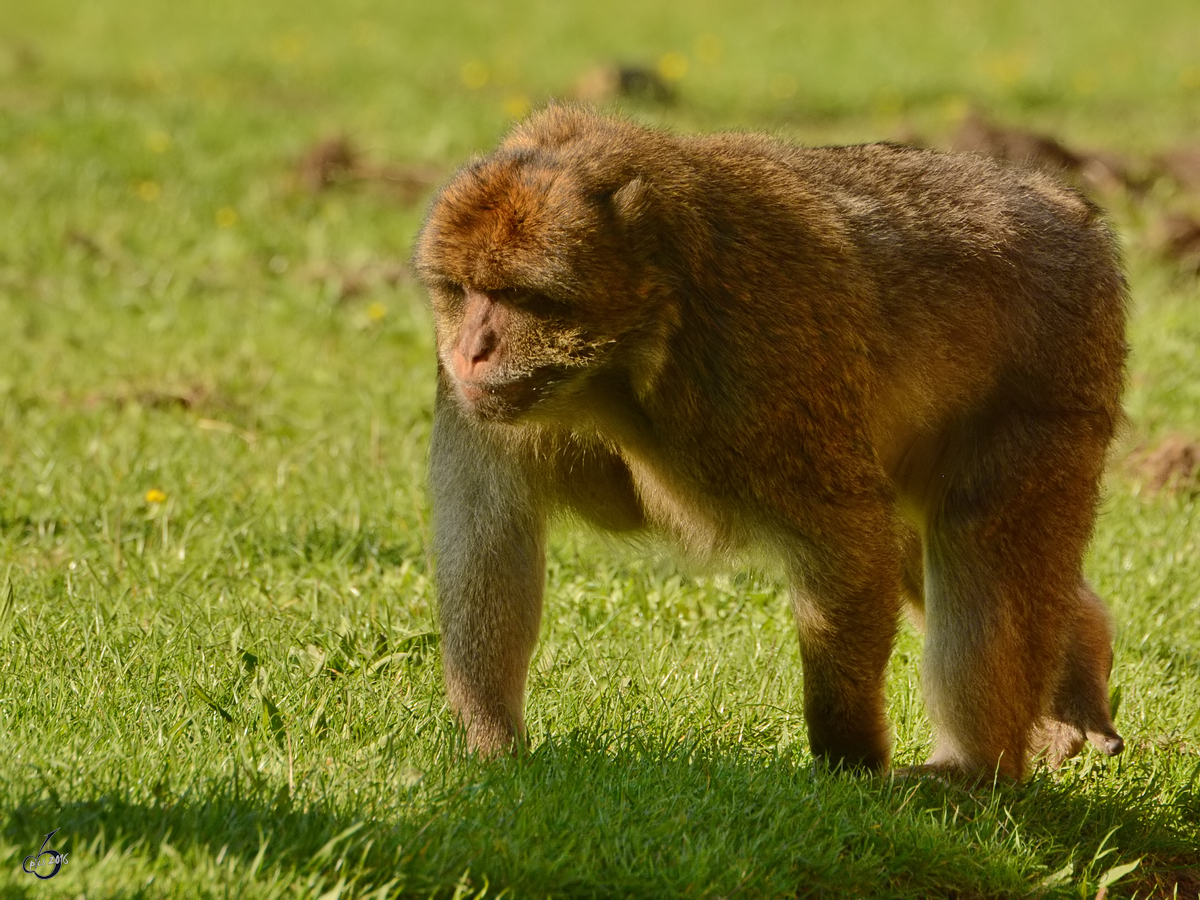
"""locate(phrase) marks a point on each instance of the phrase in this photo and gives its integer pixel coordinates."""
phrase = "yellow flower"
(154, 495)
(673, 66)
(376, 311)
(227, 217)
(1007, 69)
(289, 47)
(149, 191)
(158, 141)
(517, 106)
(474, 74)
(955, 108)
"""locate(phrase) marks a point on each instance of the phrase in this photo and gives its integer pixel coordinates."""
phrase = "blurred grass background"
(220, 673)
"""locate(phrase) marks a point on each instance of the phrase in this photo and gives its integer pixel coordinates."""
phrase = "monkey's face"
(509, 352)
(538, 285)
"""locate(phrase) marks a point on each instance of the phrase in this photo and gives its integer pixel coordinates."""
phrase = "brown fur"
(894, 370)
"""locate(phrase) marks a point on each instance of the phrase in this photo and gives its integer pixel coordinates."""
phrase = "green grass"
(232, 687)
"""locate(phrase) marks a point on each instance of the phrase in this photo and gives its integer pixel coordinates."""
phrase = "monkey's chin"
(549, 394)
(502, 403)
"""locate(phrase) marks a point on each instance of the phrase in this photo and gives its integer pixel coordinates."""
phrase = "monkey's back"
(970, 263)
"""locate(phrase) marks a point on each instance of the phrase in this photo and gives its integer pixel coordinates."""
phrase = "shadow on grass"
(593, 817)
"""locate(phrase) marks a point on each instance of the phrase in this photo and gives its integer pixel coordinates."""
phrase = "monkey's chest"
(704, 523)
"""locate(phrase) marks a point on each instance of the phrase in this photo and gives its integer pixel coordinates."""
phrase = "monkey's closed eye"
(536, 303)
(446, 288)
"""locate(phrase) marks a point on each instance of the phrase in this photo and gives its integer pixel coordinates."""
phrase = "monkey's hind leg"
(1003, 609)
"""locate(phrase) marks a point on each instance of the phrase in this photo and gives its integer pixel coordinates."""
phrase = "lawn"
(220, 672)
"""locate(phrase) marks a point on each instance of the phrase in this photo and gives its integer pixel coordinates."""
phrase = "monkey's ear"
(632, 201)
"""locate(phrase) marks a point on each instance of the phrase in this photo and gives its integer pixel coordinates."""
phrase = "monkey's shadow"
(594, 814)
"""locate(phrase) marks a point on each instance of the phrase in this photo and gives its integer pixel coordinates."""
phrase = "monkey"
(892, 371)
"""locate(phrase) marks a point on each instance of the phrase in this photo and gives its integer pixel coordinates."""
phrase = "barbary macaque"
(896, 372)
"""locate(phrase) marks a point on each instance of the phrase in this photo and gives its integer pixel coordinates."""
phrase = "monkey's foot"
(1053, 742)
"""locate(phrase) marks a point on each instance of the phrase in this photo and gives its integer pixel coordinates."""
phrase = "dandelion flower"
(673, 66)
(474, 74)
(517, 106)
(154, 495)
(158, 141)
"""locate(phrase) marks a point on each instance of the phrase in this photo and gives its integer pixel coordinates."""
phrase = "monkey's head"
(540, 263)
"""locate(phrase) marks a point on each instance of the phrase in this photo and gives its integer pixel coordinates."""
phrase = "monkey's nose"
(474, 354)
(482, 346)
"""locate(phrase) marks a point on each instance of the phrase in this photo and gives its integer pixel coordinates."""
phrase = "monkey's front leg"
(489, 530)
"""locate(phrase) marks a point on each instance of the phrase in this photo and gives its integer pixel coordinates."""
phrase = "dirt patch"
(347, 282)
(606, 83)
(175, 396)
(335, 161)
(327, 163)
(1183, 884)
(1173, 465)
(1017, 145)
(1176, 236)
(1104, 172)
(1182, 164)
(408, 182)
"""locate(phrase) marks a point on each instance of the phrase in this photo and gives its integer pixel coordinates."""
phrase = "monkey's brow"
(441, 281)
(516, 292)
